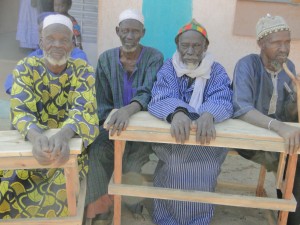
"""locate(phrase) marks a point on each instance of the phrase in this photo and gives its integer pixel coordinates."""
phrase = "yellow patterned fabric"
(44, 100)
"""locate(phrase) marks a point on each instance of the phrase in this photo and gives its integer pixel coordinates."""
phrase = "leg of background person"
(136, 155)
(101, 164)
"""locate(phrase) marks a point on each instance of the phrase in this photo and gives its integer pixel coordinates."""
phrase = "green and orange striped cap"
(193, 25)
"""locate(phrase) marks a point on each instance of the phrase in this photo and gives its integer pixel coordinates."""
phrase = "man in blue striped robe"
(192, 91)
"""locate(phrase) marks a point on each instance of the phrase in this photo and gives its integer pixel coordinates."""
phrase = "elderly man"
(191, 91)
(264, 96)
(124, 79)
(75, 53)
(50, 91)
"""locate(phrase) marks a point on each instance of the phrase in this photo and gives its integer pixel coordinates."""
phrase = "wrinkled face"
(61, 6)
(57, 44)
(275, 48)
(130, 33)
(191, 47)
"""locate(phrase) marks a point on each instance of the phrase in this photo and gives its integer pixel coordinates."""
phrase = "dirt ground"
(235, 169)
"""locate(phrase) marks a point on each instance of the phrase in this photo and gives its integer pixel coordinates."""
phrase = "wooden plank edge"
(204, 197)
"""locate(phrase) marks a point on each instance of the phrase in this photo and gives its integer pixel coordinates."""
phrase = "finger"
(126, 124)
(203, 135)
(292, 147)
(114, 129)
(182, 134)
(208, 137)
(198, 133)
(193, 126)
(44, 143)
(120, 128)
(64, 155)
(287, 146)
(214, 133)
(187, 131)
(177, 134)
(56, 151)
(112, 121)
(297, 144)
(172, 129)
(51, 144)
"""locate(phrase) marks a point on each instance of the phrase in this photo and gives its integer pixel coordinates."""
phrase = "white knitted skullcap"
(131, 14)
(270, 24)
(58, 19)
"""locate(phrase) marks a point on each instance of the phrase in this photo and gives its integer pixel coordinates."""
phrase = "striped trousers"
(187, 167)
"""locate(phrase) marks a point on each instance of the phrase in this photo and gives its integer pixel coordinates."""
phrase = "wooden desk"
(15, 153)
(232, 134)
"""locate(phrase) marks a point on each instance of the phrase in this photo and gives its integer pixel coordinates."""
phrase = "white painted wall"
(109, 11)
(216, 15)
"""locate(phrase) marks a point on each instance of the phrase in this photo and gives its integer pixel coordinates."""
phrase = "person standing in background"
(62, 7)
(27, 28)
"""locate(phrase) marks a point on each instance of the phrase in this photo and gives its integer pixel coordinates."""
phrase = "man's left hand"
(205, 129)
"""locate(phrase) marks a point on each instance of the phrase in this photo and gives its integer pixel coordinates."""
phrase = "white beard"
(191, 66)
(55, 62)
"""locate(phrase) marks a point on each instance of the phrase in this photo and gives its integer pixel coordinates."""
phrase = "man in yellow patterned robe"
(53, 91)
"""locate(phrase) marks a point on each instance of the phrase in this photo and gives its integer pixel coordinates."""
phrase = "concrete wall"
(217, 16)
(109, 11)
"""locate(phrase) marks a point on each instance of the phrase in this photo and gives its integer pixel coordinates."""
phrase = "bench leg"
(260, 190)
(72, 185)
(287, 189)
(119, 151)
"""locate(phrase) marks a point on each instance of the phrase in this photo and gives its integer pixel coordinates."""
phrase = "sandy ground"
(235, 169)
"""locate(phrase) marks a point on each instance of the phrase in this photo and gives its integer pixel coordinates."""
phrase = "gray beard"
(191, 66)
(129, 49)
(55, 62)
(276, 65)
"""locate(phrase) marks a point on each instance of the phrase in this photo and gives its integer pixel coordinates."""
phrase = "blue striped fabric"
(170, 92)
(190, 168)
(185, 166)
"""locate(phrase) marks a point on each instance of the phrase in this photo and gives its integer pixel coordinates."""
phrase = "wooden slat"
(10, 142)
(72, 186)
(118, 156)
(27, 162)
(280, 170)
(204, 197)
(229, 142)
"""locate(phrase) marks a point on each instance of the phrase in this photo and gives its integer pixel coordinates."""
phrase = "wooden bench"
(15, 153)
(232, 134)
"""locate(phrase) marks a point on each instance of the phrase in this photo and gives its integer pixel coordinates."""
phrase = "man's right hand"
(40, 149)
(118, 121)
(180, 127)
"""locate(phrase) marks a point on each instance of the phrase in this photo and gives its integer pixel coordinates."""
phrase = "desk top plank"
(234, 130)
(13, 144)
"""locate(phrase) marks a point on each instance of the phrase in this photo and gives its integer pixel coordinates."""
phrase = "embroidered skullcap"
(131, 14)
(193, 25)
(43, 15)
(58, 19)
(270, 24)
